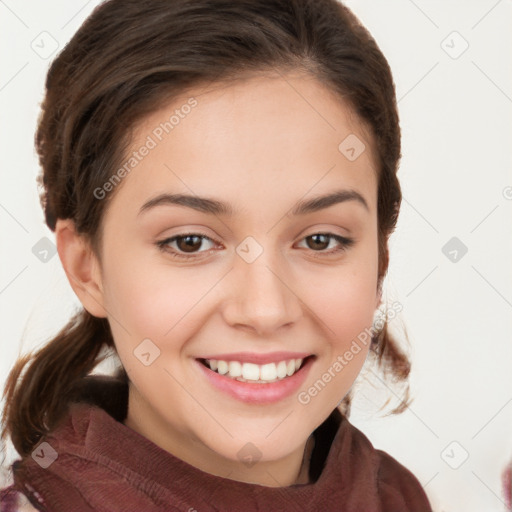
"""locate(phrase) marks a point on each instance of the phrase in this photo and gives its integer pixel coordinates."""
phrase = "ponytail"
(37, 400)
(393, 363)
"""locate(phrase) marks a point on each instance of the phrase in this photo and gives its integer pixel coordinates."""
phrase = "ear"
(81, 266)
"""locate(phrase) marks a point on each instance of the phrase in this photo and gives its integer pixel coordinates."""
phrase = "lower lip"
(258, 393)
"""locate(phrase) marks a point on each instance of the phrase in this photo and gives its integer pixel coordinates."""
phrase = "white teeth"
(222, 367)
(268, 371)
(251, 372)
(281, 370)
(235, 369)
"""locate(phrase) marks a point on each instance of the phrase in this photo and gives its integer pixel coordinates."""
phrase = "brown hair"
(125, 61)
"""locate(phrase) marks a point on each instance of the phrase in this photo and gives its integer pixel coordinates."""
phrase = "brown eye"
(184, 246)
(319, 241)
(189, 243)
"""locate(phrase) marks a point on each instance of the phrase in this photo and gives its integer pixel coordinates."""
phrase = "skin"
(260, 144)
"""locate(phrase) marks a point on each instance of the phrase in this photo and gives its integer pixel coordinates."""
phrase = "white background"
(456, 180)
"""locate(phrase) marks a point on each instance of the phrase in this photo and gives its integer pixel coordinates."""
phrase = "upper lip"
(258, 358)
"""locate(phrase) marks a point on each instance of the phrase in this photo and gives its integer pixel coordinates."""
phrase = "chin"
(265, 441)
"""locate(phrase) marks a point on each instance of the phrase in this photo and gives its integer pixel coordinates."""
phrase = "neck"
(290, 470)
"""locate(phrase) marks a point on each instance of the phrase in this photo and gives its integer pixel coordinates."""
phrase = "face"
(260, 286)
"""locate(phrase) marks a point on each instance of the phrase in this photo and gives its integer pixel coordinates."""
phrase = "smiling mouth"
(256, 373)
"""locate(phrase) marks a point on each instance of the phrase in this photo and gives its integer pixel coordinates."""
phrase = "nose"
(262, 296)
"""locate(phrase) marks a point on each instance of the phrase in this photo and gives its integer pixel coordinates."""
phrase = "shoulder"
(396, 486)
(396, 483)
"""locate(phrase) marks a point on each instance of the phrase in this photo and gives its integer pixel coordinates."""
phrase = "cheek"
(155, 301)
(345, 309)
(345, 299)
(163, 302)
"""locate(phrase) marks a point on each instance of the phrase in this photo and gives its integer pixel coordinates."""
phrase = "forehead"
(274, 137)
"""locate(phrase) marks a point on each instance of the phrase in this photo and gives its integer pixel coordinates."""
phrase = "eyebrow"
(215, 207)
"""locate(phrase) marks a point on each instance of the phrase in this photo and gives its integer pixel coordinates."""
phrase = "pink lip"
(258, 393)
(253, 357)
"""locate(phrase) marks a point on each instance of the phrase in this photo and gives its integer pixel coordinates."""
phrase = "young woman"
(221, 180)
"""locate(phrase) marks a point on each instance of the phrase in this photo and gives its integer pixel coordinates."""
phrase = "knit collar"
(343, 465)
(111, 395)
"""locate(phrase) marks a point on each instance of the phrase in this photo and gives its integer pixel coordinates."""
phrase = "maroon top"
(103, 465)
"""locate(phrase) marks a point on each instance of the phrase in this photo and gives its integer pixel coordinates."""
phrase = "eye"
(187, 244)
(320, 241)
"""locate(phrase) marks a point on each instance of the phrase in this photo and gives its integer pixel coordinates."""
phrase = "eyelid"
(166, 241)
(344, 243)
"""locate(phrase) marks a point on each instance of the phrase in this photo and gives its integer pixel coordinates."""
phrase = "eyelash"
(344, 242)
